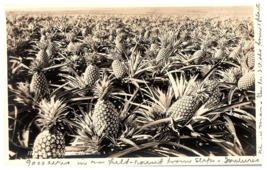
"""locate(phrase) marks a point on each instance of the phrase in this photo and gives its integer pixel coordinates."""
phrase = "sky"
(244, 10)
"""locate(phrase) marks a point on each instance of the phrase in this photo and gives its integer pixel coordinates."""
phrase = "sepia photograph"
(151, 83)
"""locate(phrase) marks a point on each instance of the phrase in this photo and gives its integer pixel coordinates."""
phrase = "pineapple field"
(112, 86)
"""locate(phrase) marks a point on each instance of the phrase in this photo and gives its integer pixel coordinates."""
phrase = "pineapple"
(167, 45)
(250, 59)
(118, 69)
(163, 55)
(50, 143)
(38, 85)
(91, 74)
(186, 106)
(215, 97)
(42, 54)
(247, 81)
(105, 116)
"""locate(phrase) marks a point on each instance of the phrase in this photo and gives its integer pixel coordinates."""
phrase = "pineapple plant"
(105, 116)
(91, 74)
(42, 54)
(50, 143)
(118, 68)
(120, 47)
(167, 45)
(39, 84)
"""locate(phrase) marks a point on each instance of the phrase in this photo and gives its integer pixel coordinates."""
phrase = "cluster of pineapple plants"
(136, 86)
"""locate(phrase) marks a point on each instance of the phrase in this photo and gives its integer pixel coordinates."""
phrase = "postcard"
(133, 85)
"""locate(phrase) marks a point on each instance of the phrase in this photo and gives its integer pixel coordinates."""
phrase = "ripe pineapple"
(91, 74)
(50, 143)
(185, 107)
(215, 97)
(105, 116)
(38, 85)
(247, 81)
(119, 69)
(42, 54)
(163, 55)
(167, 45)
(250, 59)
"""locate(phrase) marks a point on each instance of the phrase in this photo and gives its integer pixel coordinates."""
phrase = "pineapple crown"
(200, 91)
(115, 55)
(50, 112)
(104, 87)
(231, 75)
